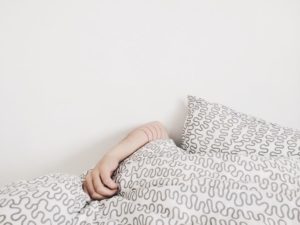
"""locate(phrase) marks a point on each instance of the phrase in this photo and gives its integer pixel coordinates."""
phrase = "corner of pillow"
(190, 97)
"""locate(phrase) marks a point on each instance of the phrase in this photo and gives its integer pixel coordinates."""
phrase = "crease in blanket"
(163, 184)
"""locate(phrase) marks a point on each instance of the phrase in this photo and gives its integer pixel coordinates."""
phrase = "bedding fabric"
(215, 127)
(163, 184)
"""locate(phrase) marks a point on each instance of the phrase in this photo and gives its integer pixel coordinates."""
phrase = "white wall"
(75, 76)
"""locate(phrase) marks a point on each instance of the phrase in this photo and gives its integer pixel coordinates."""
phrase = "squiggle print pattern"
(162, 184)
(214, 127)
(49, 199)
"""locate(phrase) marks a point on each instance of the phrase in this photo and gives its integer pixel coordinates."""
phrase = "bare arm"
(137, 138)
(98, 183)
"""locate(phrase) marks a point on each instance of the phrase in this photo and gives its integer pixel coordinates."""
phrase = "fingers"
(100, 188)
(96, 188)
(107, 181)
(90, 188)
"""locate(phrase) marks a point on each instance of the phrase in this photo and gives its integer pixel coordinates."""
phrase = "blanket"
(163, 184)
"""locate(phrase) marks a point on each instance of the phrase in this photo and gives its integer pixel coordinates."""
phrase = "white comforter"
(162, 184)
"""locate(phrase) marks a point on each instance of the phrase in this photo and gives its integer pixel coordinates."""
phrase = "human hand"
(98, 182)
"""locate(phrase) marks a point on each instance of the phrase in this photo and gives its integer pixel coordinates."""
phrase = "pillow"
(215, 127)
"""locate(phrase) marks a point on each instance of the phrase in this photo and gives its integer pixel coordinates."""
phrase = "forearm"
(137, 138)
(98, 182)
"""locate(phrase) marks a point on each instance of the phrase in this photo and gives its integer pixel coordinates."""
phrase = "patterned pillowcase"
(215, 127)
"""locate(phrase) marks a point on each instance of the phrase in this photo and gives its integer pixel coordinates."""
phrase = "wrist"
(113, 155)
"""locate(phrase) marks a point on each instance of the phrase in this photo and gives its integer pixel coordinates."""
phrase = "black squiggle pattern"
(49, 199)
(215, 127)
(163, 184)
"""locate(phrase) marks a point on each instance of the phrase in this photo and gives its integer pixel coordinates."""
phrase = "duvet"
(162, 184)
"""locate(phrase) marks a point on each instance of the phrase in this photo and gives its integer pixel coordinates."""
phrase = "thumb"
(107, 180)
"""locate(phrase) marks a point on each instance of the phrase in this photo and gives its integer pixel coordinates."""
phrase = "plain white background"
(76, 76)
